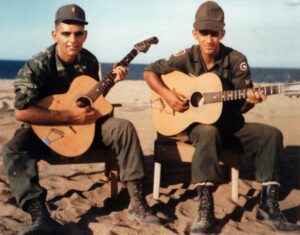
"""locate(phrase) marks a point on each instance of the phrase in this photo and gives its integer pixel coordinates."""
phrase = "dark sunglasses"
(209, 32)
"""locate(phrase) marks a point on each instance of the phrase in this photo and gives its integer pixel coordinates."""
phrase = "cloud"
(293, 2)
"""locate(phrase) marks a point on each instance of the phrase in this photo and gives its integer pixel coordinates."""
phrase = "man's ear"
(85, 35)
(194, 32)
(54, 35)
(222, 34)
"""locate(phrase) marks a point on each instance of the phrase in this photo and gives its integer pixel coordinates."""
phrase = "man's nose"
(209, 38)
(72, 37)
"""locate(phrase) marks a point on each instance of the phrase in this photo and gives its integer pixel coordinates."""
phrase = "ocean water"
(10, 68)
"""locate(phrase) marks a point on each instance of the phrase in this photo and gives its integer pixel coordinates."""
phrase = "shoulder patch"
(243, 66)
(179, 53)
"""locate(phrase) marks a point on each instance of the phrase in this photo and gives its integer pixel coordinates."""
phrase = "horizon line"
(140, 63)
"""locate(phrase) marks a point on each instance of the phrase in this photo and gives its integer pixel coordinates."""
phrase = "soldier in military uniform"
(51, 72)
(263, 141)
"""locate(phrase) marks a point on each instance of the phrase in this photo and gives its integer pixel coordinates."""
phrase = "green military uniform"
(262, 141)
(45, 75)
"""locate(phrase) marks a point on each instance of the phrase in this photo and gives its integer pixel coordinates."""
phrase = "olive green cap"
(209, 16)
(70, 13)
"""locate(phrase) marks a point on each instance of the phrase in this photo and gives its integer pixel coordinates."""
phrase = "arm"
(176, 101)
(246, 107)
(253, 97)
(242, 79)
(41, 116)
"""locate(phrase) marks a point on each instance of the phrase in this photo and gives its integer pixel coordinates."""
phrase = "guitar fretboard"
(102, 87)
(230, 95)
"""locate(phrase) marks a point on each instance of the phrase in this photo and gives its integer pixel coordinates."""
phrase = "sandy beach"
(79, 196)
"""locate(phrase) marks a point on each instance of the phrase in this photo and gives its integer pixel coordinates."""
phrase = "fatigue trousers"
(21, 153)
(262, 142)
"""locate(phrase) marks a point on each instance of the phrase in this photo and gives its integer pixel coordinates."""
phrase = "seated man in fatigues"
(51, 72)
(259, 140)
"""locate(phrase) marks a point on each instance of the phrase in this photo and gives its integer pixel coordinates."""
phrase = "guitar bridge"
(55, 134)
(159, 103)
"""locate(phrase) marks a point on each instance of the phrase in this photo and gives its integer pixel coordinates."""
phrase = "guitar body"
(73, 140)
(170, 123)
(206, 96)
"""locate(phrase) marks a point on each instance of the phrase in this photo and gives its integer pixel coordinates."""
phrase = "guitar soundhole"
(83, 102)
(196, 99)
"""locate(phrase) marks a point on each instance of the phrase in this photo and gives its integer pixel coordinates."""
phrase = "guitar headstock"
(143, 46)
(292, 89)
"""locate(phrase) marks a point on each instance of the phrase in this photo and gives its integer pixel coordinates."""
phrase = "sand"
(79, 196)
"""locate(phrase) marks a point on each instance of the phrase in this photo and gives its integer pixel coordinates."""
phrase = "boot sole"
(263, 218)
(202, 233)
(138, 220)
(261, 215)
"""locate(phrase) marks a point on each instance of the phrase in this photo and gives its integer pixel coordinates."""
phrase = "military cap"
(70, 13)
(209, 16)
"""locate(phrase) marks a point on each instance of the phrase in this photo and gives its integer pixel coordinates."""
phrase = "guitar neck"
(102, 87)
(239, 94)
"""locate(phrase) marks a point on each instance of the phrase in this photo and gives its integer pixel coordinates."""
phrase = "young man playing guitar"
(51, 72)
(263, 141)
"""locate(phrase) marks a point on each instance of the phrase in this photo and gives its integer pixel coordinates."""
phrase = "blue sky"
(266, 31)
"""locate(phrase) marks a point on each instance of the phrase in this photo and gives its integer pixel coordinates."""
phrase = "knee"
(210, 131)
(5, 151)
(8, 149)
(126, 127)
(205, 134)
(278, 134)
(273, 133)
(10, 157)
(17, 145)
(206, 131)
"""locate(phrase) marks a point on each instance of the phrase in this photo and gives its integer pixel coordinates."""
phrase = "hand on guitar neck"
(255, 95)
(120, 72)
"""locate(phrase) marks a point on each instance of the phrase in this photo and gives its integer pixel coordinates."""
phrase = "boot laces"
(139, 198)
(37, 210)
(205, 204)
(273, 204)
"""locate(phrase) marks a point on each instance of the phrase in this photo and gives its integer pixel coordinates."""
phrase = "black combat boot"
(268, 211)
(205, 217)
(138, 209)
(42, 223)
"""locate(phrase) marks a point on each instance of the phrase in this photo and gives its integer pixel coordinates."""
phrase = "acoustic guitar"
(205, 96)
(74, 140)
